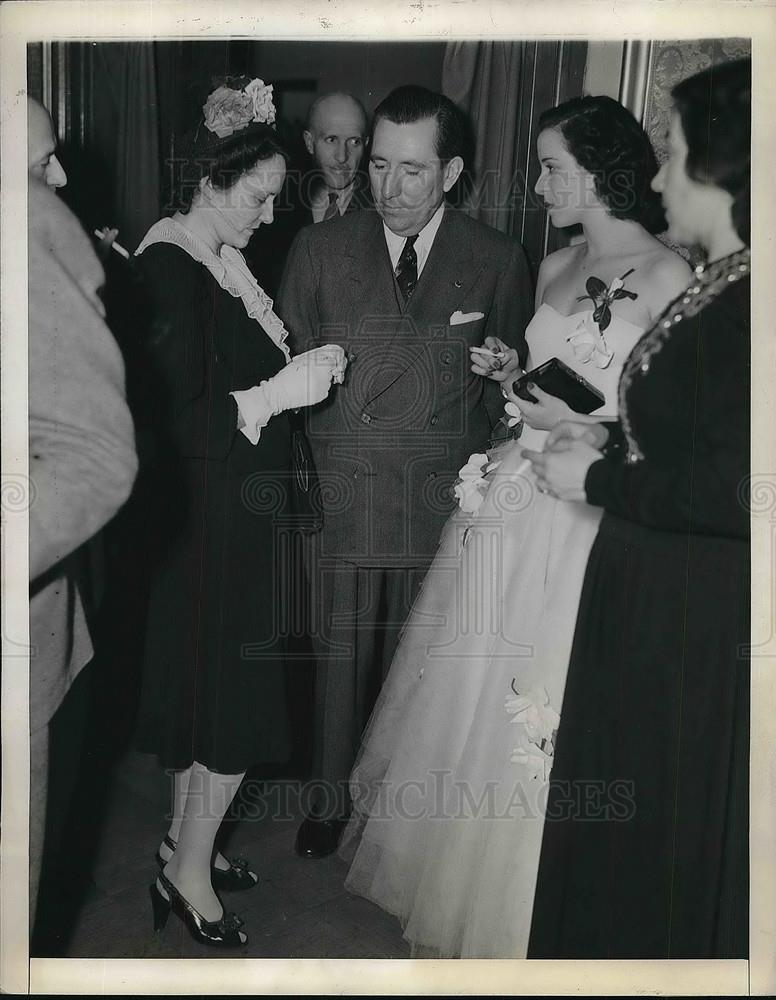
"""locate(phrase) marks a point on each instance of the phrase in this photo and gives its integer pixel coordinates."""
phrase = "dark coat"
(213, 684)
(389, 442)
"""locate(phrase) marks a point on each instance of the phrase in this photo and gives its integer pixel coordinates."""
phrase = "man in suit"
(331, 185)
(81, 448)
(407, 289)
(335, 138)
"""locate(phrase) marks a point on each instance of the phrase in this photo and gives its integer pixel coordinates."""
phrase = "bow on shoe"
(230, 922)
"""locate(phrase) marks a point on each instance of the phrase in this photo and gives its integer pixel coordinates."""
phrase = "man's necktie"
(407, 268)
(331, 208)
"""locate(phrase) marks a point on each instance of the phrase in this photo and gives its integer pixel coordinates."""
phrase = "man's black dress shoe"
(317, 838)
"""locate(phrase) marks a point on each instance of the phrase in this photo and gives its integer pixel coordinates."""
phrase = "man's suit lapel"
(366, 269)
(449, 273)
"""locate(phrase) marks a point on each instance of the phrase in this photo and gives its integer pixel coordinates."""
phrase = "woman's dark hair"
(223, 161)
(607, 141)
(411, 103)
(715, 109)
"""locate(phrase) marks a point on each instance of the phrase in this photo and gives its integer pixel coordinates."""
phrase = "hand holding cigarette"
(495, 359)
(107, 238)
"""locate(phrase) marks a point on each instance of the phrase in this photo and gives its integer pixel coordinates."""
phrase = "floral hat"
(229, 109)
(236, 105)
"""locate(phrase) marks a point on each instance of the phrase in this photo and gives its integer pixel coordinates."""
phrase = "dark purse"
(557, 379)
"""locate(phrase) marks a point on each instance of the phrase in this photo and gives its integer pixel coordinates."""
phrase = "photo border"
(398, 20)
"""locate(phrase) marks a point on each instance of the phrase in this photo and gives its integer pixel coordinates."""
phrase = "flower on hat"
(260, 94)
(228, 109)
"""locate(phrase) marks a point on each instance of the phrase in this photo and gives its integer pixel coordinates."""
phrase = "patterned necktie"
(407, 269)
(332, 208)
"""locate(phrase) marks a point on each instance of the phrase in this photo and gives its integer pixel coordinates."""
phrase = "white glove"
(306, 380)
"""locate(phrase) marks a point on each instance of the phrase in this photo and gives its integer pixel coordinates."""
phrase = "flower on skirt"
(539, 724)
(471, 486)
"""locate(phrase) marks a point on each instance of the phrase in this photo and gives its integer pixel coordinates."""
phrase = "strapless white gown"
(451, 780)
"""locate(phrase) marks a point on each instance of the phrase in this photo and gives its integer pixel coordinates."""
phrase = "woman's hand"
(545, 413)
(307, 379)
(507, 365)
(562, 474)
(563, 434)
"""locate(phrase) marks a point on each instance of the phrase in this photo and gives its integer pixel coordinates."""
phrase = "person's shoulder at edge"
(558, 260)
(54, 225)
(55, 233)
(666, 275)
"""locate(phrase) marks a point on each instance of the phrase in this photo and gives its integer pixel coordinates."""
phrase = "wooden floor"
(299, 910)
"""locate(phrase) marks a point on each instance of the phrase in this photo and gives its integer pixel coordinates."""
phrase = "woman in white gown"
(450, 784)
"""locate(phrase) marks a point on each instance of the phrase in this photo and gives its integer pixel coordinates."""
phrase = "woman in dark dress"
(645, 850)
(213, 700)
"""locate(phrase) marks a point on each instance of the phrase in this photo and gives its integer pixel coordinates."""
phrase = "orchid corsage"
(587, 340)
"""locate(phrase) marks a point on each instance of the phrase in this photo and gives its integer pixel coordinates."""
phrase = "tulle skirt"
(451, 781)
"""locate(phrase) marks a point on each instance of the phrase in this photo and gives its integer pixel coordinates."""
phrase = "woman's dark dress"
(213, 685)
(645, 850)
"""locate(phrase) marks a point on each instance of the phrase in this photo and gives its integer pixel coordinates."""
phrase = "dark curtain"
(126, 125)
(103, 99)
(503, 87)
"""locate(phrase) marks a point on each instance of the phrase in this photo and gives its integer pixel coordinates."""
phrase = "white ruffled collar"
(230, 271)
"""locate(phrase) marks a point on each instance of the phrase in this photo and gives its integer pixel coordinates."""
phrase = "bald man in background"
(331, 184)
(42, 162)
(335, 138)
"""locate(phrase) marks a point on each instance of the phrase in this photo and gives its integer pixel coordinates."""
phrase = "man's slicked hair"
(411, 103)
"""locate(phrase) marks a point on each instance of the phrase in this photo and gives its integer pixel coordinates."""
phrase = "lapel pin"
(459, 284)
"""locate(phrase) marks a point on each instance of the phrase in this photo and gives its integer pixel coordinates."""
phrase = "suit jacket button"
(431, 475)
(366, 418)
(434, 419)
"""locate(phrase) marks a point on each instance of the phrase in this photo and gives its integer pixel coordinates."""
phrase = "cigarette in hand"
(100, 234)
(485, 350)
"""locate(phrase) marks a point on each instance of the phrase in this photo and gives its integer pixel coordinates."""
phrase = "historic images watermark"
(437, 797)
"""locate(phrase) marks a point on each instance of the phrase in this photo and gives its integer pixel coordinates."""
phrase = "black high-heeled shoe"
(237, 877)
(223, 933)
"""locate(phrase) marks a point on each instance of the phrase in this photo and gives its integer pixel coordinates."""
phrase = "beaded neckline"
(709, 282)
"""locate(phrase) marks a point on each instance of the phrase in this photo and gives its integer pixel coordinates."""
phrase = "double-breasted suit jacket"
(389, 442)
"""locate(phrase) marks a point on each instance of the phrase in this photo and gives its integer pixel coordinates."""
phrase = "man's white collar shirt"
(423, 243)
